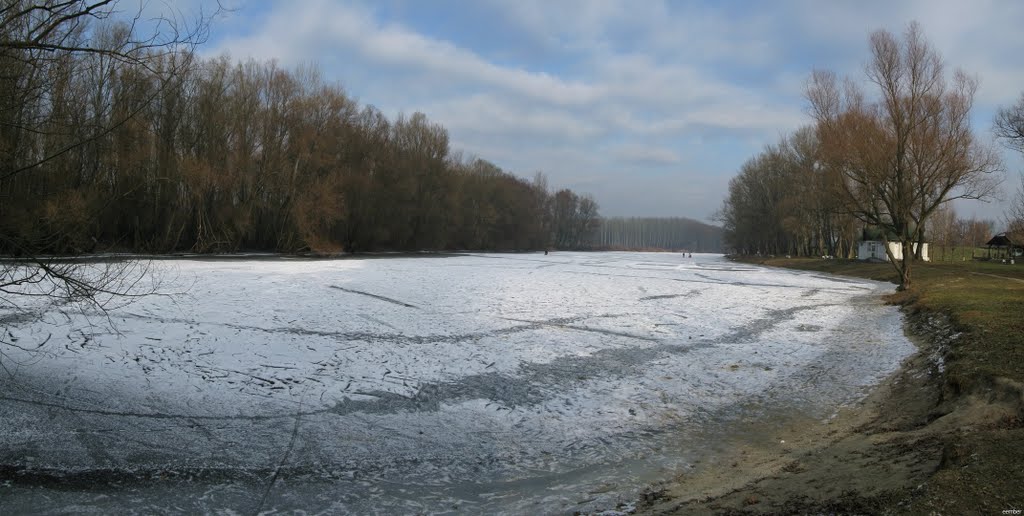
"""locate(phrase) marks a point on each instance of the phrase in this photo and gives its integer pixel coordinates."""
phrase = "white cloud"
(646, 154)
(621, 81)
(323, 27)
(488, 114)
(982, 36)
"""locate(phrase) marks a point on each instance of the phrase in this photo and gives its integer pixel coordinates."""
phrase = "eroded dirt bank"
(880, 456)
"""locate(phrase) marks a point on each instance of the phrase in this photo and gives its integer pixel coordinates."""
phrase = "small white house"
(875, 250)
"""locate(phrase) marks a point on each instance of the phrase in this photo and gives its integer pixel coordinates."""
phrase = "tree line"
(660, 233)
(954, 238)
(885, 162)
(784, 202)
(111, 140)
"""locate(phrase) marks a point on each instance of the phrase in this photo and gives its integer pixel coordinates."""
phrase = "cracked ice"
(496, 383)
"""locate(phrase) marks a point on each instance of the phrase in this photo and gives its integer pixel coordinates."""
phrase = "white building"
(875, 250)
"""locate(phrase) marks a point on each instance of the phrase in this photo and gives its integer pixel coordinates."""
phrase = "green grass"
(962, 254)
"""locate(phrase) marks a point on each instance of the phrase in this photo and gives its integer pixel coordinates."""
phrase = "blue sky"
(650, 106)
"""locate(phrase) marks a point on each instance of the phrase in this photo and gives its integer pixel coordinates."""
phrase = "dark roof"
(999, 240)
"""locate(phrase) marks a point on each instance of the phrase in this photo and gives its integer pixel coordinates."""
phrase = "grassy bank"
(977, 417)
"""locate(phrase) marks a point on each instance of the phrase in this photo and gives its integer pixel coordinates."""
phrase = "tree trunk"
(908, 259)
(902, 265)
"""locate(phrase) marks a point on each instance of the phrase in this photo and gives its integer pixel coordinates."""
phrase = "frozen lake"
(496, 383)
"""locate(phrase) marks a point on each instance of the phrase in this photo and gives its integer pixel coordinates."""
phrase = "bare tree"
(1009, 125)
(109, 140)
(42, 35)
(942, 226)
(1015, 216)
(909, 151)
(49, 50)
(1009, 128)
(977, 232)
(574, 219)
(783, 202)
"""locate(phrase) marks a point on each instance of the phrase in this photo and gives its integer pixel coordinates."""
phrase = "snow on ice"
(494, 382)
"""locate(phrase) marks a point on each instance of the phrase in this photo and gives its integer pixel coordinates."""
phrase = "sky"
(650, 106)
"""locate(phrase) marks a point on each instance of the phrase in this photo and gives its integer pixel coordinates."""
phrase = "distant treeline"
(673, 233)
(141, 150)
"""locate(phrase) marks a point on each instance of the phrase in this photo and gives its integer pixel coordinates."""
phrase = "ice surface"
(494, 382)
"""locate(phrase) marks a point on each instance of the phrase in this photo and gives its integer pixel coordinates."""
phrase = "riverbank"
(940, 436)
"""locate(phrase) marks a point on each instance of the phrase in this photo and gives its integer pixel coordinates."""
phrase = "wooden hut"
(1004, 247)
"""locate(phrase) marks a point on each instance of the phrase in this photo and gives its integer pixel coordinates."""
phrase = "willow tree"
(907, 150)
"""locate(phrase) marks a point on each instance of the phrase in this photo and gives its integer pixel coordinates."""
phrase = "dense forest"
(112, 141)
(658, 233)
